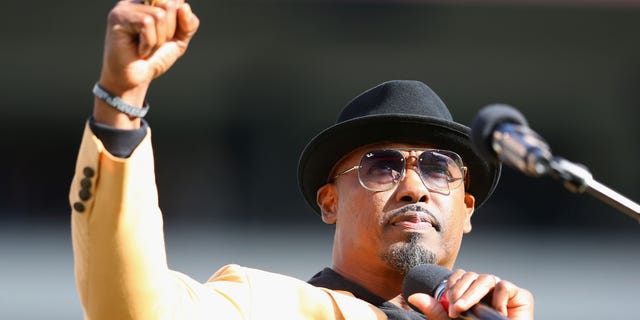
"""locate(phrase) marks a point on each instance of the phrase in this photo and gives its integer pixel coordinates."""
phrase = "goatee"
(408, 255)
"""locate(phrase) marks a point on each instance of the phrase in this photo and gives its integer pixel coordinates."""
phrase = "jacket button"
(84, 194)
(88, 172)
(78, 206)
(85, 183)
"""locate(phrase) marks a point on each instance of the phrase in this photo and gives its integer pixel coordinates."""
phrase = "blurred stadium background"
(262, 77)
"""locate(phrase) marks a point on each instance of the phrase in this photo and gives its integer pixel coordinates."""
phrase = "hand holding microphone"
(440, 293)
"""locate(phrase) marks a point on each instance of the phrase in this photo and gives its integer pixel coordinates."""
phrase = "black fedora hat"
(396, 111)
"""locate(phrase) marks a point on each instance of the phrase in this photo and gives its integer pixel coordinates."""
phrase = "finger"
(458, 283)
(166, 55)
(428, 306)
(166, 20)
(469, 290)
(454, 277)
(519, 302)
(160, 17)
(132, 27)
(188, 24)
(143, 23)
(503, 292)
(475, 291)
(163, 21)
(147, 35)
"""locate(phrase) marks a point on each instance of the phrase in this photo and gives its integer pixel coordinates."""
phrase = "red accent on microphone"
(444, 301)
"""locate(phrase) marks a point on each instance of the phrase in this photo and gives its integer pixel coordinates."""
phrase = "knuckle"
(459, 272)
(528, 294)
(147, 21)
(488, 277)
(113, 16)
(158, 13)
(170, 5)
(196, 21)
(507, 284)
(471, 275)
(145, 27)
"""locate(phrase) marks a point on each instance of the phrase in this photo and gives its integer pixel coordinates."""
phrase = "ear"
(327, 199)
(469, 203)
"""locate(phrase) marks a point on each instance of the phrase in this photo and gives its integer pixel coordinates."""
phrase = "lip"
(415, 220)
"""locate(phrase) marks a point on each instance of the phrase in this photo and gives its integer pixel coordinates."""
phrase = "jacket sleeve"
(120, 261)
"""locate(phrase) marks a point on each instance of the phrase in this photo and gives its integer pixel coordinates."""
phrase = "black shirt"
(327, 278)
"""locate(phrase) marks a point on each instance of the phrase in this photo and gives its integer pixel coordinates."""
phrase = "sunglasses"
(381, 170)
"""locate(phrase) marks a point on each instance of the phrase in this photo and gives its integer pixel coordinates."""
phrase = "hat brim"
(335, 142)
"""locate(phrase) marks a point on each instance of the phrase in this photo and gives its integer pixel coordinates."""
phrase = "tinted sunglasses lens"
(439, 170)
(381, 169)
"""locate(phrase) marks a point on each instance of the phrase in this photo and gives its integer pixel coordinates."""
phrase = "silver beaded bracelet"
(118, 103)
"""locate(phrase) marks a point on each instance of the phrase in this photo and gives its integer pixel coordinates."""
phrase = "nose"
(411, 189)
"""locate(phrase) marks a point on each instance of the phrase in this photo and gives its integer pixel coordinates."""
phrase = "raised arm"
(118, 242)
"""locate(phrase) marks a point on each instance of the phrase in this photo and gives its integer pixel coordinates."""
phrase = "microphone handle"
(482, 312)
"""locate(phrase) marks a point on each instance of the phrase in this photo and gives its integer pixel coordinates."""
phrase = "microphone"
(500, 132)
(432, 279)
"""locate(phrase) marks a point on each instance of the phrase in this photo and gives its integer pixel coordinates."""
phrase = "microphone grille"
(486, 122)
(424, 278)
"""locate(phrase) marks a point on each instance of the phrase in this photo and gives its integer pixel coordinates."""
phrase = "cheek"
(454, 215)
(358, 224)
(360, 206)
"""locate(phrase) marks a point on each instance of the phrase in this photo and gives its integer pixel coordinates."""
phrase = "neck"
(388, 288)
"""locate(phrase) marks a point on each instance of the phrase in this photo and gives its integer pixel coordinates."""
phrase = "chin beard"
(407, 255)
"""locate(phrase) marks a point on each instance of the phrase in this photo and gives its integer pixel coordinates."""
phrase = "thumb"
(429, 306)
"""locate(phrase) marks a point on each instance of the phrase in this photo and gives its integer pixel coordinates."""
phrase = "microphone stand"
(578, 179)
(515, 144)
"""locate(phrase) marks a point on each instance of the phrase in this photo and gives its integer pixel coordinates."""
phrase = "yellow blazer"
(120, 261)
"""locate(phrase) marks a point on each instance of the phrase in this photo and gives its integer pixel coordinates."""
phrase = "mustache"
(424, 214)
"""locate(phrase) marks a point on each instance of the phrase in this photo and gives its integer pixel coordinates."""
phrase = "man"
(395, 175)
